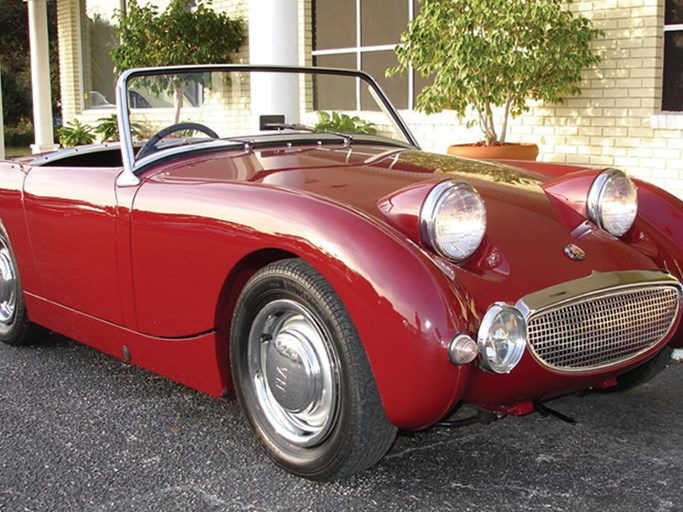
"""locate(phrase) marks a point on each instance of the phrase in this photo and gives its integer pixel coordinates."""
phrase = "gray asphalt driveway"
(83, 431)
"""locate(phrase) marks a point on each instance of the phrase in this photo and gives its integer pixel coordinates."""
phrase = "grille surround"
(592, 327)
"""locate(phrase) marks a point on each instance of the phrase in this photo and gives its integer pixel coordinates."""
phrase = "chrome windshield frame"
(129, 177)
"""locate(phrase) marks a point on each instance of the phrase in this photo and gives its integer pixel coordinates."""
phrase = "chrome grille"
(603, 329)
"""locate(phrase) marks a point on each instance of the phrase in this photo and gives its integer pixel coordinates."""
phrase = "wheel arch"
(407, 348)
(227, 299)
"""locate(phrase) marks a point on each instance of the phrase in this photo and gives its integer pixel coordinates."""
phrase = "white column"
(273, 39)
(40, 77)
(2, 128)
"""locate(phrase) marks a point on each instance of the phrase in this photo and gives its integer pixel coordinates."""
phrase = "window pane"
(376, 63)
(98, 35)
(331, 94)
(334, 24)
(672, 95)
(674, 12)
(382, 21)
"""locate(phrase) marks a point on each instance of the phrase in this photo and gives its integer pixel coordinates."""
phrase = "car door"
(71, 216)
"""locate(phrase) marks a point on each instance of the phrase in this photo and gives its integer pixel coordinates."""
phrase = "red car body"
(157, 268)
(151, 273)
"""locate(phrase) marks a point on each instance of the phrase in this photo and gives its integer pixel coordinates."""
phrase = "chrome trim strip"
(571, 291)
(127, 178)
(69, 152)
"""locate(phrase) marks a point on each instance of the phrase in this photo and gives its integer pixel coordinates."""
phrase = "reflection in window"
(672, 90)
(98, 37)
(362, 34)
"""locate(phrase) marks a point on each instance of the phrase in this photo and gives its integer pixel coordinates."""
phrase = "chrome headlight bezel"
(601, 202)
(507, 320)
(440, 198)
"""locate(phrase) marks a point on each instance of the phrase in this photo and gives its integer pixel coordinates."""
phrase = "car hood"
(360, 177)
(530, 215)
(355, 175)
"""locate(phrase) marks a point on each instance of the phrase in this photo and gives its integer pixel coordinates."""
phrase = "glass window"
(362, 34)
(672, 88)
(330, 92)
(674, 12)
(337, 22)
(382, 21)
(98, 38)
(395, 87)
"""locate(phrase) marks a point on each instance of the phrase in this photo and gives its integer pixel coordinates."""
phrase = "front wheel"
(302, 376)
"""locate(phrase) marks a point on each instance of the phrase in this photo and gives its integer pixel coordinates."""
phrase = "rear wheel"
(15, 327)
(302, 376)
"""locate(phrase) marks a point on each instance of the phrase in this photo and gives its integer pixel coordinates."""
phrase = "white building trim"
(40, 77)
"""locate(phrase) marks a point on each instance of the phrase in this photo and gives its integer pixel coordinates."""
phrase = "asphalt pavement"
(82, 431)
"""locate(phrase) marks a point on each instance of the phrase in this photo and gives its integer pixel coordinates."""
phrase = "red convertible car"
(282, 237)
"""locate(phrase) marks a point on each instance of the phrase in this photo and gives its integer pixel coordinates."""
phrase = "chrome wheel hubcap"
(8, 285)
(294, 374)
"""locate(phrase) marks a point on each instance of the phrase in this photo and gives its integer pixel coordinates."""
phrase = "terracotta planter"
(501, 152)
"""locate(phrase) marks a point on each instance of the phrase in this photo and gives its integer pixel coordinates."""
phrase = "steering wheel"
(150, 146)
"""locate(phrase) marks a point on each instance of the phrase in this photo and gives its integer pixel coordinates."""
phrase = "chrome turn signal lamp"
(462, 350)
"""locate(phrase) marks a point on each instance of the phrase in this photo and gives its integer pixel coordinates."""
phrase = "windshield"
(168, 108)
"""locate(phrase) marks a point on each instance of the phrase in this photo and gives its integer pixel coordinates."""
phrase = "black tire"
(641, 374)
(15, 327)
(323, 422)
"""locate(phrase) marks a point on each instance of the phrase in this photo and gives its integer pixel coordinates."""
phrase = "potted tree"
(489, 57)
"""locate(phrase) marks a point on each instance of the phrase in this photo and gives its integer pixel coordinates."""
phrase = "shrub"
(76, 134)
(344, 123)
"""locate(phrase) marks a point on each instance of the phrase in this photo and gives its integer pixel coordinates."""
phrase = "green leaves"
(179, 35)
(495, 53)
(108, 128)
(76, 134)
(343, 123)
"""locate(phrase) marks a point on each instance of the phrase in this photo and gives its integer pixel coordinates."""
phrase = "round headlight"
(501, 338)
(453, 220)
(613, 202)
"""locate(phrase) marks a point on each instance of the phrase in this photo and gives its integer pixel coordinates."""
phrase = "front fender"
(404, 308)
(658, 232)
